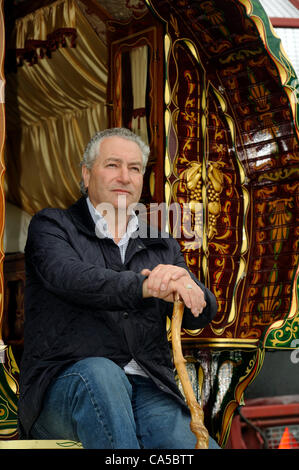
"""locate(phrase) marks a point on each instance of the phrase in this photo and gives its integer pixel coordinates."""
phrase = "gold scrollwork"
(285, 335)
(244, 54)
(259, 94)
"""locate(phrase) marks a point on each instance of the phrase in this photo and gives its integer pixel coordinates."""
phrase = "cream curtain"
(138, 58)
(52, 110)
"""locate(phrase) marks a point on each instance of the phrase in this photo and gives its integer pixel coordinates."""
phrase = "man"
(96, 365)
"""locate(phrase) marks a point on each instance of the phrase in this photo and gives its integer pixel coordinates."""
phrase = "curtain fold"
(45, 20)
(52, 110)
(139, 71)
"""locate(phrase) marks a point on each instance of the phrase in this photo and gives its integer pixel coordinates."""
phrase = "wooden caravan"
(208, 85)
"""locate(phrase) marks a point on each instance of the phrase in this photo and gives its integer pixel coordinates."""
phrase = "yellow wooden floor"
(39, 444)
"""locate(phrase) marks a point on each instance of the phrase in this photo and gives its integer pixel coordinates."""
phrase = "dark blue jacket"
(82, 301)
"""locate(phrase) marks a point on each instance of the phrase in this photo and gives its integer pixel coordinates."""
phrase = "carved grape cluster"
(193, 176)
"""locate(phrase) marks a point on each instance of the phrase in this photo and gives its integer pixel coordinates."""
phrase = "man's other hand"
(165, 281)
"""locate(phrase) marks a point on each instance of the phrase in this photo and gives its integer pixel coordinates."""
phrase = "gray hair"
(92, 149)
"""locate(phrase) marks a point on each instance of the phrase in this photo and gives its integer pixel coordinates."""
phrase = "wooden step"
(39, 444)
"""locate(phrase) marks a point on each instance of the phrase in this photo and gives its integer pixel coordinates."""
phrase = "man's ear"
(85, 175)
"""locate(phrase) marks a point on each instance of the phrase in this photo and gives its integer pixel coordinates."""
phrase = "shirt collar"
(101, 226)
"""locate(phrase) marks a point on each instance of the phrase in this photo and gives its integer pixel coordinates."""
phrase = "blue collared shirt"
(102, 230)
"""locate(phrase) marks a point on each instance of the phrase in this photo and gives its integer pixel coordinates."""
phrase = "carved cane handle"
(197, 416)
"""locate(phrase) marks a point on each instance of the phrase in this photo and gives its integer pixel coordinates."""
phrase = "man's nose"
(124, 174)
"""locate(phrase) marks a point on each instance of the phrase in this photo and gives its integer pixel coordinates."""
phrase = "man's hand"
(161, 275)
(164, 281)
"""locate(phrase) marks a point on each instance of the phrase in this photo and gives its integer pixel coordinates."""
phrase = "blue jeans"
(93, 401)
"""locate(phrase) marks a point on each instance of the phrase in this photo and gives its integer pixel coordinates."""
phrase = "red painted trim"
(295, 3)
(271, 411)
(285, 22)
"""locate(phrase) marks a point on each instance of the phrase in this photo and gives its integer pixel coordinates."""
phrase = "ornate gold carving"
(193, 175)
(215, 184)
(215, 187)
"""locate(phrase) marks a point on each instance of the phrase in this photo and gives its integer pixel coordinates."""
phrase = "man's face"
(116, 176)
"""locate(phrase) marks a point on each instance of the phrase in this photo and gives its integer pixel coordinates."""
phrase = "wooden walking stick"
(197, 417)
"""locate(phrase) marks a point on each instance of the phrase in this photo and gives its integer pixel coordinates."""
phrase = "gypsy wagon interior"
(208, 85)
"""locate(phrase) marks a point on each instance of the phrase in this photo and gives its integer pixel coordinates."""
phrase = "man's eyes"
(136, 169)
